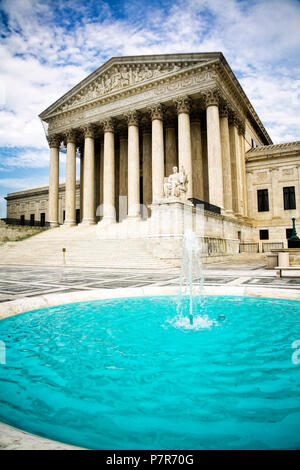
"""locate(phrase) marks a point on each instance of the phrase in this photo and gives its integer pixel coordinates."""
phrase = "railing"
(249, 248)
(207, 206)
(28, 223)
(271, 246)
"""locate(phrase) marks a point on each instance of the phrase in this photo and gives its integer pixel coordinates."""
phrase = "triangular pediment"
(120, 74)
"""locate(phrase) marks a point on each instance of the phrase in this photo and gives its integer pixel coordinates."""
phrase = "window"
(262, 200)
(22, 220)
(32, 219)
(64, 216)
(289, 232)
(252, 143)
(264, 234)
(43, 219)
(289, 200)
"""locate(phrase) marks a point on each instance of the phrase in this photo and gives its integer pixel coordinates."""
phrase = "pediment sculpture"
(120, 77)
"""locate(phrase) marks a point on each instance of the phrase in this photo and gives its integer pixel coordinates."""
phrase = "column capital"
(224, 110)
(183, 104)
(211, 96)
(233, 117)
(70, 136)
(54, 141)
(241, 127)
(157, 111)
(88, 131)
(133, 118)
(109, 125)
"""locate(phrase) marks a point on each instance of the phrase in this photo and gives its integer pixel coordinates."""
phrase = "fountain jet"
(191, 277)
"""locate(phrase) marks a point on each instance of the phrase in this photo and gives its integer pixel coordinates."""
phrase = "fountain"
(190, 302)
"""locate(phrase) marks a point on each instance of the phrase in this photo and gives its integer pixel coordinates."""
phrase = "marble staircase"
(83, 248)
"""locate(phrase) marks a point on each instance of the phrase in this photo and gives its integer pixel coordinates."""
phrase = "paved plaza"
(30, 281)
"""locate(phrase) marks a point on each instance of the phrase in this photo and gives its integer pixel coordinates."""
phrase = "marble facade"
(134, 118)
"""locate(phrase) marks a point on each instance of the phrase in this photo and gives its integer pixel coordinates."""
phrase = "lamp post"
(294, 235)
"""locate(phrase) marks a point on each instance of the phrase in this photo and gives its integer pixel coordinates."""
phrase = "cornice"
(271, 152)
(236, 90)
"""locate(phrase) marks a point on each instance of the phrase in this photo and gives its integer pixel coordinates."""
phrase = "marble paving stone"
(30, 281)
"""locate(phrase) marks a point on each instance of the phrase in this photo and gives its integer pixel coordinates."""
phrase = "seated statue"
(176, 184)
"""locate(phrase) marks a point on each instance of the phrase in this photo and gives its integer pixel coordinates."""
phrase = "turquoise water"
(124, 374)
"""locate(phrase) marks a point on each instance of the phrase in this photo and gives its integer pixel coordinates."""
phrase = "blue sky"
(47, 46)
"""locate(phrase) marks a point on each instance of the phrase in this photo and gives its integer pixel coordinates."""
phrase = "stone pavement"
(30, 281)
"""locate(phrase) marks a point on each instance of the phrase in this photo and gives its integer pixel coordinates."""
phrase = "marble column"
(89, 177)
(214, 150)
(97, 178)
(81, 151)
(123, 173)
(70, 195)
(133, 166)
(183, 106)
(197, 158)
(170, 145)
(101, 172)
(54, 143)
(205, 165)
(241, 130)
(147, 169)
(109, 212)
(235, 164)
(226, 161)
(158, 163)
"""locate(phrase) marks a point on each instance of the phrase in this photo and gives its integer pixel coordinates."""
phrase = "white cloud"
(37, 158)
(16, 184)
(43, 58)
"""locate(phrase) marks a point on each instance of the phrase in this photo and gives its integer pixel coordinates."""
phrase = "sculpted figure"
(176, 184)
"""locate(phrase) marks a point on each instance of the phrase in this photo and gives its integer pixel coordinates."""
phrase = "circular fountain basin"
(131, 374)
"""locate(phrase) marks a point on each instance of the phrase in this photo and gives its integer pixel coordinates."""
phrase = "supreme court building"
(132, 121)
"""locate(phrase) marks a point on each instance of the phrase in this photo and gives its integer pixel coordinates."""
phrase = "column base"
(133, 217)
(54, 224)
(88, 222)
(107, 220)
(228, 212)
(69, 223)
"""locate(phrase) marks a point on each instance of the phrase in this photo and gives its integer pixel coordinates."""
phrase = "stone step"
(83, 248)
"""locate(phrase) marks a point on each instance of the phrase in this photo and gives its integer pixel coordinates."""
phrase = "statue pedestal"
(172, 217)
